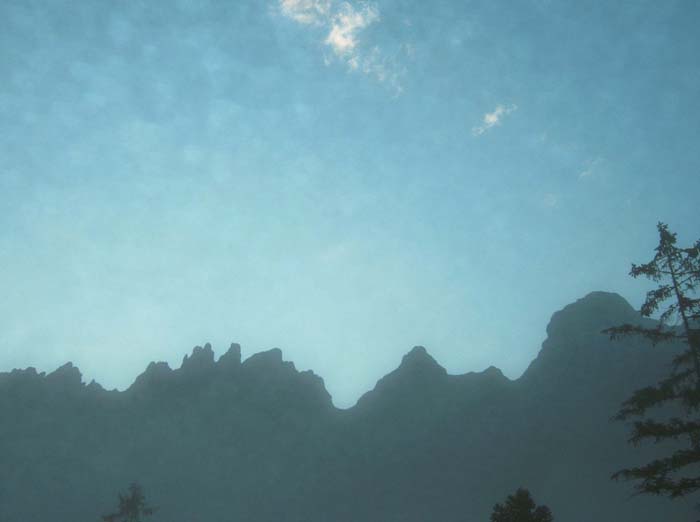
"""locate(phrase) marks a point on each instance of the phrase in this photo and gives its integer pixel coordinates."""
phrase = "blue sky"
(342, 180)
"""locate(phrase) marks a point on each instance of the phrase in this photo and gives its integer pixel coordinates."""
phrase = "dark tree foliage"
(132, 506)
(519, 507)
(677, 272)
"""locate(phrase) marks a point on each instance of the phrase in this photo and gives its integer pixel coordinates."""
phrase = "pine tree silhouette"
(677, 270)
(519, 507)
(132, 506)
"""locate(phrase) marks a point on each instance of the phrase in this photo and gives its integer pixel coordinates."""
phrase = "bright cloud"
(306, 11)
(344, 23)
(345, 26)
(491, 119)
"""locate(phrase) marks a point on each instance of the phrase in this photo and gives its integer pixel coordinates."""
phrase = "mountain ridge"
(596, 307)
(259, 440)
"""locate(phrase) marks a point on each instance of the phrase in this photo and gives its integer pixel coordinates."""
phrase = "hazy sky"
(340, 180)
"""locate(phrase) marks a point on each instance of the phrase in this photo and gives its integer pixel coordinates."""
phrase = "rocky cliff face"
(218, 440)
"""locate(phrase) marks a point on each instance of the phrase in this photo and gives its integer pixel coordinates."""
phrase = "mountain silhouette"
(257, 440)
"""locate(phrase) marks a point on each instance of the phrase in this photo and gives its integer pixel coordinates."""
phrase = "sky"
(342, 180)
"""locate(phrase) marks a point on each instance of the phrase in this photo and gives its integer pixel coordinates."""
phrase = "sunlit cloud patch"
(314, 12)
(493, 119)
(344, 24)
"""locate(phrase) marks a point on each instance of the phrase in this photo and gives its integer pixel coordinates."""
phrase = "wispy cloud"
(344, 23)
(314, 12)
(492, 119)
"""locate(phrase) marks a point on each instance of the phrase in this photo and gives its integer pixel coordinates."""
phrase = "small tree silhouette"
(132, 506)
(519, 507)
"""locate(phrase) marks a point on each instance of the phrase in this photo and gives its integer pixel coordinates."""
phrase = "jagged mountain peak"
(418, 360)
(494, 373)
(66, 376)
(576, 346)
(202, 358)
(417, 374)
(267, 359)
(155, 373)
(592, 313)
(232, 358)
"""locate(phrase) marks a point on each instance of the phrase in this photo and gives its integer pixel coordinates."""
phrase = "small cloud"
(491, 119)
(309, 12)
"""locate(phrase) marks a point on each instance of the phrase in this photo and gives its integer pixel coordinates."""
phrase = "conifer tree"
(519, 507)
(677, 272)
(132, 506)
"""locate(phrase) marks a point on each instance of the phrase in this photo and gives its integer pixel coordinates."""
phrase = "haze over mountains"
(256, 440)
